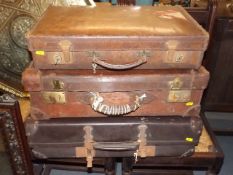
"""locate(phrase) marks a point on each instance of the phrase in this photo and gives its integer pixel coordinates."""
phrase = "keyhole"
(57, 58)
(179, 58)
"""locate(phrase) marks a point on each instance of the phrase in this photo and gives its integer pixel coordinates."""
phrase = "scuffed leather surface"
(117, 21)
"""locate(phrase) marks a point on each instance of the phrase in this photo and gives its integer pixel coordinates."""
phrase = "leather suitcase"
(113, 137)
(160, 37)
(134, 93)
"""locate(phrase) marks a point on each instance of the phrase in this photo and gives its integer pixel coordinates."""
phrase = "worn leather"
(48, 137)
(117, 21)
(117, 38)
(77, 85)
(110, 81)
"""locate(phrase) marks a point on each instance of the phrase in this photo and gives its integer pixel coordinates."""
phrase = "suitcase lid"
(114, 137)
(159, 130)
(108, 81)
(158, 23)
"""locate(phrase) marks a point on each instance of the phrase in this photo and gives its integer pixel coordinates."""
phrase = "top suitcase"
(117, 38)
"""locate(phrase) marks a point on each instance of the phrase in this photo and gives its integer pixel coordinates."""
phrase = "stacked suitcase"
(115, 82)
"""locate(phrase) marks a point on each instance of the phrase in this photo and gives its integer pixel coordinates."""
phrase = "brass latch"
(57, 96)
(179, 96)
(174, 56)
(65, 56)
(54, 97)
(177, 83)
(144, 54)
(176, 94)
(87, 150)
(57, 84)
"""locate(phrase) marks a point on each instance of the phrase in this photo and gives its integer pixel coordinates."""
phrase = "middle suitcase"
(80, 93)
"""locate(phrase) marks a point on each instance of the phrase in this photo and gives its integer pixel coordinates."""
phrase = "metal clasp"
(58, 85)
(174, 56)
(54, 97)
(144, 54)
(179, 58)
(176, 94)
(179, 96)
(177, 83)
(93, 55)
(57, 58)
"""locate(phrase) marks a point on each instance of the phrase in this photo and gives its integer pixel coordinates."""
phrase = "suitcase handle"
(143, 59)
(116, 146)
(97, 103)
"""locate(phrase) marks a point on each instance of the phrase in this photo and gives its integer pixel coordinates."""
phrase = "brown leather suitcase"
(66, 93)
(137, 137)
(116, 38)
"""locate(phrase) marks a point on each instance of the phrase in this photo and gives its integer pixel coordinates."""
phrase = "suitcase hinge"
(143, 149)
(88, 149)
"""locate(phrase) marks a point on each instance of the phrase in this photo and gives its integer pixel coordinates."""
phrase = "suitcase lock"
(176, 94)
(174, 56)
(63, 57)
(177, 83)
(54, 97)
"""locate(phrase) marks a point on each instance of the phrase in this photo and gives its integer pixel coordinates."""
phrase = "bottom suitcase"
(113, 137)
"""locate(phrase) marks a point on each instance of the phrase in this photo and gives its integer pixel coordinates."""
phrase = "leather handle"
(139, 61)
(97, 104)
(116, 146)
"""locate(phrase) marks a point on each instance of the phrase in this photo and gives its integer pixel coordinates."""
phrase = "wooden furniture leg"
(14, 135)
(127, 166)
(110, 164)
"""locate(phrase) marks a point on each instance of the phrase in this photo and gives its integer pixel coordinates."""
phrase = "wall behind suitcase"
(16, 18)
(219, 95)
